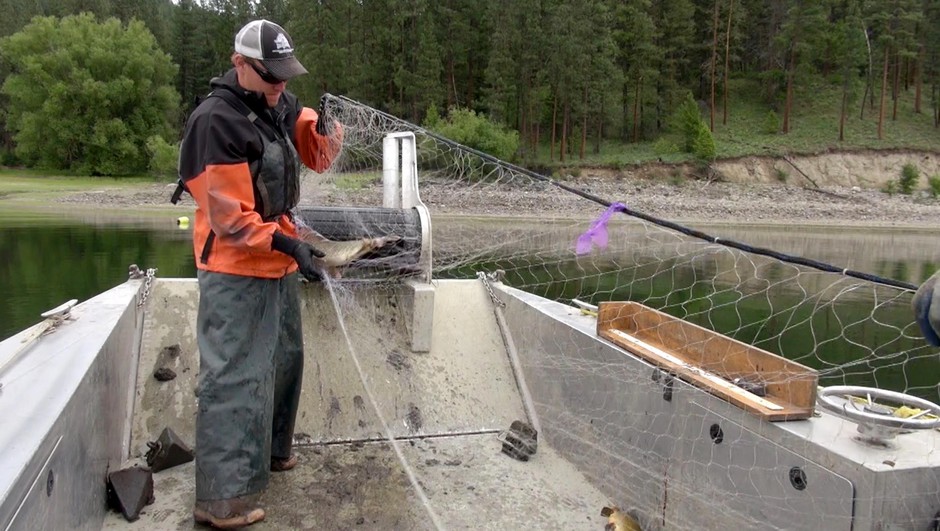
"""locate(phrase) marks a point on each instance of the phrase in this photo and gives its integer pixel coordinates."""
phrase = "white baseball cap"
(272, 46)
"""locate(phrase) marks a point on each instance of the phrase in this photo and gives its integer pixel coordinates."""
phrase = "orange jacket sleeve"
(316, 151)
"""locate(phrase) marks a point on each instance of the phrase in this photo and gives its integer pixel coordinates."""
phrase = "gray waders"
(250, 371)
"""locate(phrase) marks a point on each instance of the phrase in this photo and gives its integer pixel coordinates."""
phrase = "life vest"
(275, 176)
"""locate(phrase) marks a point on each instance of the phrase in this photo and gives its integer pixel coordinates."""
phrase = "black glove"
(302, 252)
(325, 121)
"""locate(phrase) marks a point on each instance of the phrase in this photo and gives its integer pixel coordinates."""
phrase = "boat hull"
(613, 428)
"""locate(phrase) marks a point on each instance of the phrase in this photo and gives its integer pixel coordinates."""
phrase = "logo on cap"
(282, 45)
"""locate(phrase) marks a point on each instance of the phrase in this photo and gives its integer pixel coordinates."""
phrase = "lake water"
(48, 259)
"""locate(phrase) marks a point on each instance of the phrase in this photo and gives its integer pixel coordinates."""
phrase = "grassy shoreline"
(29, 184)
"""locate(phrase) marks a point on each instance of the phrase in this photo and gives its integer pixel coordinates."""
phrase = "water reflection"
(852, 331)
(901, 254)
(48, 261)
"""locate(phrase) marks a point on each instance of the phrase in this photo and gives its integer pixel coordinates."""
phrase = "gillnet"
(489, 216)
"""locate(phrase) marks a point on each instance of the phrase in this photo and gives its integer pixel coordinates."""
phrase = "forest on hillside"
(565, 73)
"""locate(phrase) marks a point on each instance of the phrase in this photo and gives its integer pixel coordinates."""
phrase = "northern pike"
(343, 252)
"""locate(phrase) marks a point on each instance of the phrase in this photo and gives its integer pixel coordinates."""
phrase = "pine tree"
(464, 32)
(931, 65)
(637, 57)
(328, 37)
(515, 78)
(675, 39)
(801, 32)
(426, 87)
(194, 51)
(847, 47)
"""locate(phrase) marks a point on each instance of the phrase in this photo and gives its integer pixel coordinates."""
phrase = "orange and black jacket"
(240, 164)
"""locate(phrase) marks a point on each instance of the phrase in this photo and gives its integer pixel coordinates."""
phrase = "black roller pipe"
(352, 223)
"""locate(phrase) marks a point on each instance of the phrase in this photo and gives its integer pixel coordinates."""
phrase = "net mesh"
(490, 216)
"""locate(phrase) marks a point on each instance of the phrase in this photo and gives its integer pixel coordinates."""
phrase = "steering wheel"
(877, 414)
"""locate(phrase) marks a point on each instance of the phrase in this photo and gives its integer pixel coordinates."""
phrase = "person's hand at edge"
(302, 252)
(927, 309)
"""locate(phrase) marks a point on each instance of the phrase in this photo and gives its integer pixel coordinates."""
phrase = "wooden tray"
(711, 361)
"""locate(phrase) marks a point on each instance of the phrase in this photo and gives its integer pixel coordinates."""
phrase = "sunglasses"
(265, 76)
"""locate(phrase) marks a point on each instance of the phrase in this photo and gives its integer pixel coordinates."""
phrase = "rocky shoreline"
(677, 200)
(714, 202)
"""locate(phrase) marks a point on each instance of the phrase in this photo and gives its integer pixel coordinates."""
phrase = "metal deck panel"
(463, 385)
(469, 482)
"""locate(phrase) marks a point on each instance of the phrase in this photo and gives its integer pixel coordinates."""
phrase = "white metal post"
(400, 190)
(409, 172)
(391, 197)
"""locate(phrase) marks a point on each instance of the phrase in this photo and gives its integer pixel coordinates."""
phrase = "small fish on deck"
(618, 520)
(343, 252)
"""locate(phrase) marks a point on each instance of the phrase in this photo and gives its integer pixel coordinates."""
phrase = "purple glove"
(597, 233)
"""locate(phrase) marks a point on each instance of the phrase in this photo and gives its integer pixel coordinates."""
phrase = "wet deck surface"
(469, 482)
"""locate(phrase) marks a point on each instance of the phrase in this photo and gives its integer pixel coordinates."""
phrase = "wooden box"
(712, 361)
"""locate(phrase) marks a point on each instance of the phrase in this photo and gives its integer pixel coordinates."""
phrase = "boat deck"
(445, 407)
(469, 482)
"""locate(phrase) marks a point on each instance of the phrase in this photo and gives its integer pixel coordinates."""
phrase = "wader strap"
(208, 248)
(236, 103)
(275, 131)
(178, 193)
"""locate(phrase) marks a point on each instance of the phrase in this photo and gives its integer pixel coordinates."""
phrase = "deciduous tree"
(86, 95)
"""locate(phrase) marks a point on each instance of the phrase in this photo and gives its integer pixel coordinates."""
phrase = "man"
(239, 159)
